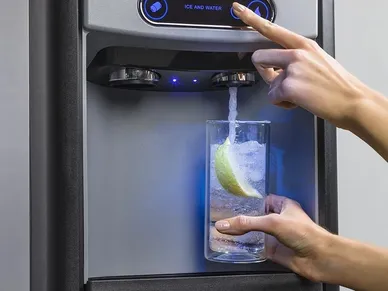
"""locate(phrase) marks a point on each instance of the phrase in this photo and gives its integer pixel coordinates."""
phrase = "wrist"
(358, 99)
(324, 257)
(364, 103)
(368, 120)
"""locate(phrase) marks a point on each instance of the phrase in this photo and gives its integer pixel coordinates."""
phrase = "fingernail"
(222, 225)
(238, 7)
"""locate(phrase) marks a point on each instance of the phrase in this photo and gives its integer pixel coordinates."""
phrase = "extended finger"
(273, 58)
(277, 34)
(242, 224)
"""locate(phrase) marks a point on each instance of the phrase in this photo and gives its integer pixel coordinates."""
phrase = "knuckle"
(273, 220)
(248, 16)
(243, 222)
(287, 87)
(293, 70)
(299, 55)
(292, 203)
(267, 26)
(312, 45)
(296, 203)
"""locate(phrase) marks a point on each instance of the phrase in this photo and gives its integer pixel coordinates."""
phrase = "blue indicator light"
(195, 80)
(174, 80)
(155, 10)
(256, 9)
(156, 6)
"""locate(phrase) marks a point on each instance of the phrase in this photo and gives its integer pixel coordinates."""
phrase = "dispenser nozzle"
(133, 77)
(234, 79)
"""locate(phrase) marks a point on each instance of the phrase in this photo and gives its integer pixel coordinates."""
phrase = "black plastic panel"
(171, 60)
(327, 138)
(209, 13)
(191, 71)
(277, 282)
(56, 198)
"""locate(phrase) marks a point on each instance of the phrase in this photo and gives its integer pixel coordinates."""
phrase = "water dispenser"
(137, 81)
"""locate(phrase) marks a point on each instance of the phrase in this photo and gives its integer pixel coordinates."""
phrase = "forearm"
(355, 265)
(371, 122)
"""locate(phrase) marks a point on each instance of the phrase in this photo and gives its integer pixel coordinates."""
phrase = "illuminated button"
(155, 9)
(261, 8)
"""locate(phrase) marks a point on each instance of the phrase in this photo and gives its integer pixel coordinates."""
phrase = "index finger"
(277, 34)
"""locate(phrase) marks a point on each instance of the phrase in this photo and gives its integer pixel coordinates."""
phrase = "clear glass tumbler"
(236, 184)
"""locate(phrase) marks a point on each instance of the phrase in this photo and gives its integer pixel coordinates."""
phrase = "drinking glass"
(248, 157)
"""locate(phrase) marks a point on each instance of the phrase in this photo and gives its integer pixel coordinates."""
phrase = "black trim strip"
(56, 225)
(273, 282)
(327, 138)
(42, 156)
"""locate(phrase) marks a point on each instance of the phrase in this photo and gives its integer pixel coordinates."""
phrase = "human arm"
(299, 244)
(355, 265)
(308, 77)
(370, 121)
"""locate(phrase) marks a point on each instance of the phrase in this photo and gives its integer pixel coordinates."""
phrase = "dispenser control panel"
(194, 25)
(201, 13)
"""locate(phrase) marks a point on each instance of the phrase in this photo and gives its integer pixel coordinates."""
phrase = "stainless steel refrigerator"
(119, 95)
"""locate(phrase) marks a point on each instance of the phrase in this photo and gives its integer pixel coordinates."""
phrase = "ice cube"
(247, 147)
(256, 176)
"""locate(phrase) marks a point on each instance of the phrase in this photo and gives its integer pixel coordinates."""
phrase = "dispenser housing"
(117, 200)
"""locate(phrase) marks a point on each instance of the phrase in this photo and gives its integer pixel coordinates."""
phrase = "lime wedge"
(229, 174)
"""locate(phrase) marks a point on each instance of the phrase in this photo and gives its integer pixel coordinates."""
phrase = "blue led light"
(155, 7)
(174, 80)
(195, 80)
(259, 2)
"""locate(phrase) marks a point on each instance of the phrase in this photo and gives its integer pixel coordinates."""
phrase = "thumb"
(242, 224)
